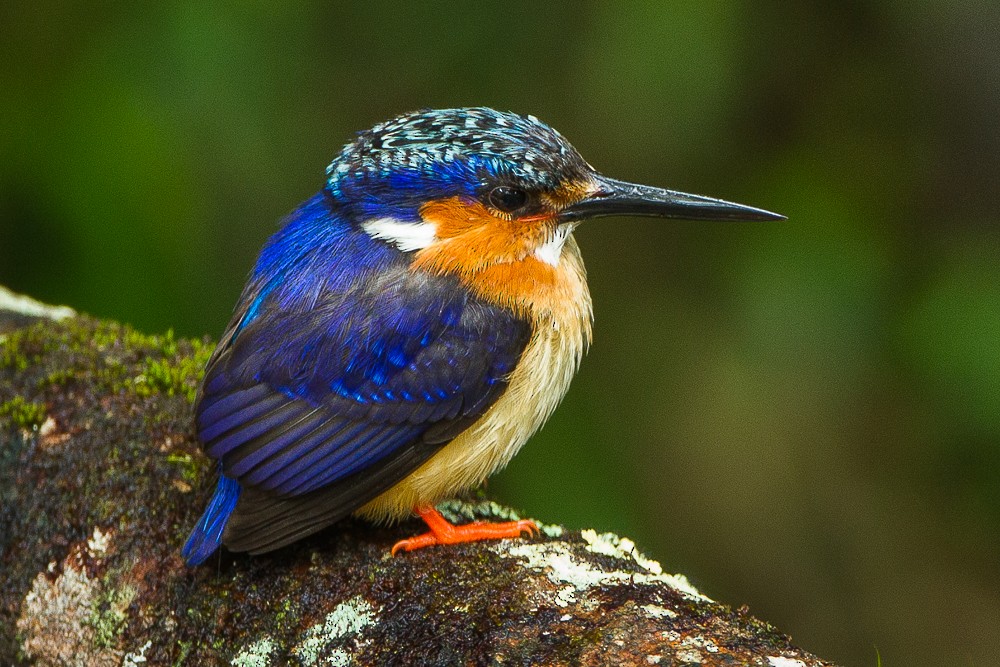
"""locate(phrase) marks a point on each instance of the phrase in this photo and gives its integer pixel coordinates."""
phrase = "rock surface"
(101, 478)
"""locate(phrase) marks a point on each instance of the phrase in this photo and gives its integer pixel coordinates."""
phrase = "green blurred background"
(803, 417)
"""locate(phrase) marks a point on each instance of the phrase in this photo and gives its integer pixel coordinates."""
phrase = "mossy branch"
(100, 479)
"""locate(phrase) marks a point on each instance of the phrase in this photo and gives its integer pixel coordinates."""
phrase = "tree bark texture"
(101, 478)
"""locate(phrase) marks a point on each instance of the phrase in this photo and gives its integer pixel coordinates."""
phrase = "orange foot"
(443, 532)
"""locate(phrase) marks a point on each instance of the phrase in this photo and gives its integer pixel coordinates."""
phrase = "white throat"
(551, 250)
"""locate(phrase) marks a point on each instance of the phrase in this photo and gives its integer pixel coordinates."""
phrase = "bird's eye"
(507, 199)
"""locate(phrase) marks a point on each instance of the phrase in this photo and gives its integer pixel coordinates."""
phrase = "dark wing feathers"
(310, 428)
(317, 408)
(221, 423)
(267, 521)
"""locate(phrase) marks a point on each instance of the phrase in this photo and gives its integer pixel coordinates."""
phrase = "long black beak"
(615, 197)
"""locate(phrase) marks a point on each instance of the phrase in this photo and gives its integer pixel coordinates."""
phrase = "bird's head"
(471, 188)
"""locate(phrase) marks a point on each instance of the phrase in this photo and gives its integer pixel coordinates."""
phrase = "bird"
(408, 328)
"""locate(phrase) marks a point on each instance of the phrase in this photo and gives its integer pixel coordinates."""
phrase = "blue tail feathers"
(207, 534)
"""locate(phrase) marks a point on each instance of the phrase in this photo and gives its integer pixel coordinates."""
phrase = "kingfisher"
(408, 328)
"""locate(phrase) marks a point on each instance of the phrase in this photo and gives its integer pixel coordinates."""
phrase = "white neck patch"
(407, 236)
(551, 250)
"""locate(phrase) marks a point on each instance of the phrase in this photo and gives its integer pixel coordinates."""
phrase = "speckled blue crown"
(467, 146)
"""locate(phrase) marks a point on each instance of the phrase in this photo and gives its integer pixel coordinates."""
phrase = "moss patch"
(11, 356)
(173, 373)
(108, 356)
(22, 413)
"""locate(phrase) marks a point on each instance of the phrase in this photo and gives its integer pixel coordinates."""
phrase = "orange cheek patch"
(455, 217)
(494, 257)
(472, 237)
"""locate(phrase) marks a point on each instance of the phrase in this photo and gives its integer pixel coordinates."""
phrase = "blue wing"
(336, 384)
